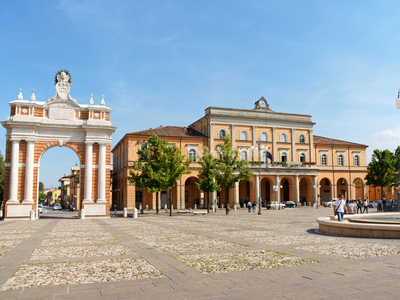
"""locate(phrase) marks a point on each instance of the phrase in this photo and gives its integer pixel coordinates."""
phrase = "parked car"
(277, 205)
(290, 204)
(373, 204)
(57, 206)
(330, 203)
(40, 208)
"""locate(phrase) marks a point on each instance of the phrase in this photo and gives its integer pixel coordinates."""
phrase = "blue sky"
(164, 62)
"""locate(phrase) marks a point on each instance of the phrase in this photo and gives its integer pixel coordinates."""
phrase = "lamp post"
(259, 148)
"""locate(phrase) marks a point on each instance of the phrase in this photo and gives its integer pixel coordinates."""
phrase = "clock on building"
(262, 104)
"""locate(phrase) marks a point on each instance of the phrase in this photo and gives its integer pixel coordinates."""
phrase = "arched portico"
(36, 126)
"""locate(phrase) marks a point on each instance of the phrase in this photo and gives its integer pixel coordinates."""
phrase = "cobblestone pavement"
(276, 255)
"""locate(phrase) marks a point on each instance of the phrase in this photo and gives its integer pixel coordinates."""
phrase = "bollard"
(195, 206)
(134, 213)
(140, 206)
(190, 209)
(32, 215)
(82, 214)
(234, 207)
(147, 207)
(125, 212)
(222, 206)
(172, 206)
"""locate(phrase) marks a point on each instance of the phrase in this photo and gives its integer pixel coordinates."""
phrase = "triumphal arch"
(33, 127)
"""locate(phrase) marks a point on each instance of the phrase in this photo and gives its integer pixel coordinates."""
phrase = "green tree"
(41, 186)
(2, 170)
(42, 197)
(158, 167)
(207, 173)
(382, 170)
(173, 167)
(231, 168)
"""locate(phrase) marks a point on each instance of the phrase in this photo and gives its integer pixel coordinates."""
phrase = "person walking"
(115, 208)
(340, 208)
(351, 207)
(365, 206)
(249, 206)
(254, 205)
(360, 205)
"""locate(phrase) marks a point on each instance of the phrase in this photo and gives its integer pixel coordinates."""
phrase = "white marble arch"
(33, 127)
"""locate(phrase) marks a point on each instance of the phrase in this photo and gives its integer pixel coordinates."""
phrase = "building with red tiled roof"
(305, 168)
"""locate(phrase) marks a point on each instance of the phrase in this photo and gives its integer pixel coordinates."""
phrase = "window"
(264, 156)
(302, 157)
(222, 134)
(323, 160)
(243, 155)
(243, 135)
(283, 138)
(264, 137)
(139, 196)
(283, 157)
(302, 138)
(192, 154)
(340, 160)
(356, 160)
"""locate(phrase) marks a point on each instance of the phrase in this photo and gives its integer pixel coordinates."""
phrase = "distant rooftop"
(327, 141)
(170, 131)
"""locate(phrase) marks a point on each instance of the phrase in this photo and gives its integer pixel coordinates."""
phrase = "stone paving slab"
(379, 275)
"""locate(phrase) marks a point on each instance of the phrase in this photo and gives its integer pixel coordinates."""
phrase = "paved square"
(276, 255)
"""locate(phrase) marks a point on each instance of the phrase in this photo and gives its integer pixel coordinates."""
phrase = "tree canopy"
(231, 168)
(159, 166)
(382, 170)
(207, 174)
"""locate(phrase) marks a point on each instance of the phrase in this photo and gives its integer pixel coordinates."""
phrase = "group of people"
(384, 205)
(349, 207)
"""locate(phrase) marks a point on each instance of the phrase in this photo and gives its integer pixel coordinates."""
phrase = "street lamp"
(260, 148)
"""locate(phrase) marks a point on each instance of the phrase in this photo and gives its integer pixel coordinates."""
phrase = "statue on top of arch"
(63, 85)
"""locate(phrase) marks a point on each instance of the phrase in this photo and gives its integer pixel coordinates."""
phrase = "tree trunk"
(170, 202)
(157, 212)
(208, 202)
(227, 201)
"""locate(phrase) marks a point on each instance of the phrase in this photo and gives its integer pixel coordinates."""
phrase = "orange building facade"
(307, 169)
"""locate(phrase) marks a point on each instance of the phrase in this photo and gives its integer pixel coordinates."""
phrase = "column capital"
(293, 129)
(233, 125)
(89, 142)
(15, 140)
(274, 129)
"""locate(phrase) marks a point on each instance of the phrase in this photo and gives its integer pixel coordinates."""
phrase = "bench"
(199, 213)
(183, 211)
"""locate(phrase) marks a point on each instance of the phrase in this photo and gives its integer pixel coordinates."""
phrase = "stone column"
(236, 194)
(278, 192)
(296, 188)
(312, 146)
(211, 137)
(102, 174)
(233, 137)
(315, 189)
(257, 185)
(274, 144)
(88, 173)
(293, 145)
(13, 191)
(30, 151)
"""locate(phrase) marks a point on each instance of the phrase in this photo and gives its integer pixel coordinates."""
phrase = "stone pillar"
(296, 188)
(211, 137)
(312, 146)
(88, 173)
(257, 186)
(30, 151)
(233, 135)
(274, 144)
(236, 194)
(14, 172)
(102, 174)
(278, 192)
(293, 145)
(315, 189)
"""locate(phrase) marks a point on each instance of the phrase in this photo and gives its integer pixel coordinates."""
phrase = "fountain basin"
(378, 225)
